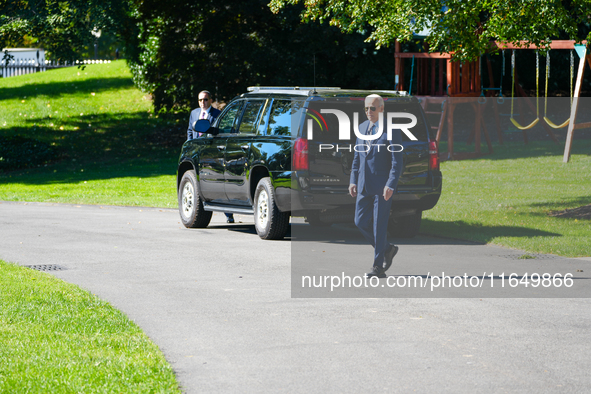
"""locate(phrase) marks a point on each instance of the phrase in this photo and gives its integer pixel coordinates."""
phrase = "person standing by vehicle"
(205, 111)
(374, 176)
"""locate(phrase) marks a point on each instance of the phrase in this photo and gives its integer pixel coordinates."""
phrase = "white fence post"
(30, 66)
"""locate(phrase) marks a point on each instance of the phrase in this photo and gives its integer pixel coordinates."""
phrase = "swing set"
(443, 84)
(581, 50)
(546, 119)
(572, 67)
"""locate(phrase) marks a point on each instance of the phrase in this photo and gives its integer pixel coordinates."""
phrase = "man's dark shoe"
(376, 271)
(392, 250)
(230, 219)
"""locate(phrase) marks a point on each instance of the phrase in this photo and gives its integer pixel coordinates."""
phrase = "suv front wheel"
(269, 221)
(190, 205)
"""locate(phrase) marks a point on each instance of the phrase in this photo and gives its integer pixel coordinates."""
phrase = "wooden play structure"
(442, 85)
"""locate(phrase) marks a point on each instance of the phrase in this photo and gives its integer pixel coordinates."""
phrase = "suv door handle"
(221, 147)
(244, 147)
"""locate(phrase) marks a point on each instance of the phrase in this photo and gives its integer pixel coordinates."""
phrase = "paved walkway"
(217, 302)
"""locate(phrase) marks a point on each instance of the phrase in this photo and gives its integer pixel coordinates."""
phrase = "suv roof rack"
(289, 88)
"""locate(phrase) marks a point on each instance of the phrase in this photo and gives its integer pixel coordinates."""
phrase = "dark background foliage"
(177, 48)
(63, 28)
(189, 46)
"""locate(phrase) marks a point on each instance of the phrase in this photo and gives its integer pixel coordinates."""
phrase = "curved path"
(217, 301)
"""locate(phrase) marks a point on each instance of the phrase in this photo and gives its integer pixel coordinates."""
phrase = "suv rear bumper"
(407, 198)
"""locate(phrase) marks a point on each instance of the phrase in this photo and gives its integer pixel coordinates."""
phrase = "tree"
(187, 46)
(462, 27)
(63, 27)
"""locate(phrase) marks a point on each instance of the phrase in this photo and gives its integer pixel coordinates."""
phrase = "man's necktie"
(203, 114)
(370, 131)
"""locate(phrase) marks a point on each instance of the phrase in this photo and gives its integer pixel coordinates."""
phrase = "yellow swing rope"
(532, 124)
(566, 122)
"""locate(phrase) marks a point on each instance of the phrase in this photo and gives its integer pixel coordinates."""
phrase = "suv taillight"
(300, 154)
(433, 156)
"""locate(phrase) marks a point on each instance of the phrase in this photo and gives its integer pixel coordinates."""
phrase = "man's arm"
(354, 175)
(397, 162)
(190, 130)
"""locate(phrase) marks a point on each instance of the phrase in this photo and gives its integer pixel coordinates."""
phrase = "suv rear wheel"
(269, 221)
(190, 205)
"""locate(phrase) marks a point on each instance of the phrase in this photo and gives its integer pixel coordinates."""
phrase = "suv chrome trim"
(228, 208)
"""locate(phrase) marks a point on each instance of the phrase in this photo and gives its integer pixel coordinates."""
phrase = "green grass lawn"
(110, 148)
(57, 338)
(506, 198)
(105, 144)
(89, 137)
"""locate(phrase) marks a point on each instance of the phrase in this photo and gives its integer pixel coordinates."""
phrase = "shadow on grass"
(519, 150)
(572, 208)
(478, 232)
(59, 89)
(76, 172)
(104, 145)
(568, 203)
(432, 233)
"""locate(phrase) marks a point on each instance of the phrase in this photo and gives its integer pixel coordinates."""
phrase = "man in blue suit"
(375, 172)
(205, 111)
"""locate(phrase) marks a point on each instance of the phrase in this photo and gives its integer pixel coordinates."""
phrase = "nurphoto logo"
(345, 126)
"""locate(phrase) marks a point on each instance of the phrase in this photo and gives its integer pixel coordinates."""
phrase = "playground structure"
(445, 84)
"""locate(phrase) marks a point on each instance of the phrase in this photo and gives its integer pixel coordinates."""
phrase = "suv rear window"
(329, 131)
(280, 119)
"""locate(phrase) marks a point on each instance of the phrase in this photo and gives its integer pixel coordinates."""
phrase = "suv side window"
(227, 123)
(280, 119)
(248, 124)
(264, 118)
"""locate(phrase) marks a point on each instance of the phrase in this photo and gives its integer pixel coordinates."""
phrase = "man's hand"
(353, 190)
(387, 192)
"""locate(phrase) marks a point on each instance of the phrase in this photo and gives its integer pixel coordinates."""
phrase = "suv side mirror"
(204, 126)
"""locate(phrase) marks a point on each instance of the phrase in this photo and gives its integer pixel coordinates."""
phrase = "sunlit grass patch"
(84, 114)
(56, 337)
(508, 199)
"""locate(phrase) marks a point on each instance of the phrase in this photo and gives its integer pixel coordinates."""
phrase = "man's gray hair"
(371, 98)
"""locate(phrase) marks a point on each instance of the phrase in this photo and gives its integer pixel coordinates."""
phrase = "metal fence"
(30, 66)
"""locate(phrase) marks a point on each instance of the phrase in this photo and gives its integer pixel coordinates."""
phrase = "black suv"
(259, 157)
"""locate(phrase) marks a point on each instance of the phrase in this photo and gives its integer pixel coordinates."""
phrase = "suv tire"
(190, 205)
(269, 221)
(405, 226)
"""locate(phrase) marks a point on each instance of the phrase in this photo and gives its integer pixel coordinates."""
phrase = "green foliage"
(464, 27)
(181, 47)
(57, 338)
(224, 47)
(64, 28)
